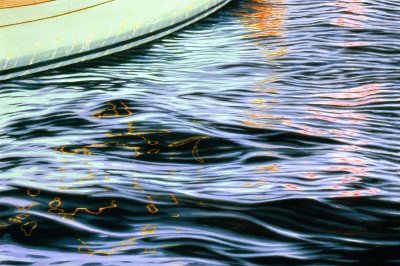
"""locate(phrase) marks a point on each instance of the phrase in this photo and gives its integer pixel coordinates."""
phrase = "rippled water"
(266, 134)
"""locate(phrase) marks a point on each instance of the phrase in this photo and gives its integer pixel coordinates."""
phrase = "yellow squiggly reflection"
(195, 150)
(85, 249)
(186, 141)
(174, 198)
(87, 149)
(54, 208)
(113, 112)
(24, 208)
(29, 227)
(148, 230)
(151, 208)
(33, 192)
(149, 251)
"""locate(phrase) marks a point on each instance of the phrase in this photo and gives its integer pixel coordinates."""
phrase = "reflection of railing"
(55, 206)
(114, 112)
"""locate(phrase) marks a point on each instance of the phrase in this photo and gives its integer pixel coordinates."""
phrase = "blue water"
(266, 134)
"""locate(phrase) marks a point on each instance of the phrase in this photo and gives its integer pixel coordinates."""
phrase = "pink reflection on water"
(353, 44)
(347, 23)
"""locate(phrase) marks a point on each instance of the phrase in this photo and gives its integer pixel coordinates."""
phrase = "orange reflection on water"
(267, 18)
(264, 19)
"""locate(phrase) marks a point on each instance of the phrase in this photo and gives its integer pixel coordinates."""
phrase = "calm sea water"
(266, 134)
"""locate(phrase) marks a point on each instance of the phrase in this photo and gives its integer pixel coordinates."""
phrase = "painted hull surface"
(36, 35)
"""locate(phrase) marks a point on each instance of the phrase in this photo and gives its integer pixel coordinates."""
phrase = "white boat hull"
(56, 33)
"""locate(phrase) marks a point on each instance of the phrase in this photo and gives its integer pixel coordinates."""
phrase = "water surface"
(266, 134)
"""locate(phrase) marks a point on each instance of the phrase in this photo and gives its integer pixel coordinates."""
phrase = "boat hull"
(52, 34)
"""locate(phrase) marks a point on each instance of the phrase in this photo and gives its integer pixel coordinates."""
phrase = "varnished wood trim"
(55, 16)
(20, 3)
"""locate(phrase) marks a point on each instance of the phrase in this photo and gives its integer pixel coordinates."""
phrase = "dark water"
(267, 134)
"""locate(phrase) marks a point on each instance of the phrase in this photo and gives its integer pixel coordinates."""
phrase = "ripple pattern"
(266, 134)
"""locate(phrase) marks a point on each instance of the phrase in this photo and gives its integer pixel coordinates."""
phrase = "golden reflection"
(85, 249)
(29, 227)
(14, 220)
(273, 168)
(24, 208)
(131, 131)
(22, 216)
(174, 198)
(33, 192)
(186, 141)
(55, 206)
(149, 250)
(257, 184)
(148, 230)
(195, 150)
(56, 203)
(151, 208)
(113, 111)
(116, 110)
